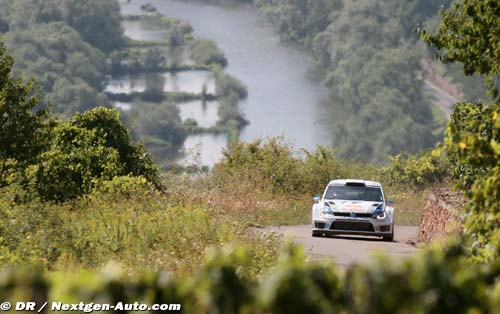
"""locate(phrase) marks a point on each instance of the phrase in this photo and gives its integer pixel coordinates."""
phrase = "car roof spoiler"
(355, 184)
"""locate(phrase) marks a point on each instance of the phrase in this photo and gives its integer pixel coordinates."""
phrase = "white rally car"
(354, 207)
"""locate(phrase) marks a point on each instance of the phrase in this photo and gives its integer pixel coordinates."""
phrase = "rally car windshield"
(354, 193)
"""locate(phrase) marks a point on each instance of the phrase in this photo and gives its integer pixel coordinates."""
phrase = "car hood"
(352, 206)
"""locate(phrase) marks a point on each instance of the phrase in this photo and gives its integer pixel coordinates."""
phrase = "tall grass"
(139, 230)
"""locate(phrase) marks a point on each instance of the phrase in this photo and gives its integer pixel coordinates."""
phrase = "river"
(283, 100)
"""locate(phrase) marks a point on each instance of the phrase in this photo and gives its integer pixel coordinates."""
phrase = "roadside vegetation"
(77, 193)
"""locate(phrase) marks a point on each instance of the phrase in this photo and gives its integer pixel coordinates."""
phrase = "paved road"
(346, 250)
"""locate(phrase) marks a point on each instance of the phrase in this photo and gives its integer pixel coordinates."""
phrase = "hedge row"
(436, 281)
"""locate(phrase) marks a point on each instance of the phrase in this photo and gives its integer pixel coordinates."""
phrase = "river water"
(282, 101)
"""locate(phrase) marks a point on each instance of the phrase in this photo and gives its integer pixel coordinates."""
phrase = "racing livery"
(354, 207)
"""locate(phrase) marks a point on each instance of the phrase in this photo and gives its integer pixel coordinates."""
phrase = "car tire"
(316, 234)
(388, 238)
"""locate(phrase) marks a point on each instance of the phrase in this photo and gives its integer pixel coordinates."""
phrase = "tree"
(21, 125)
(90, 146)
(468, 34)
(412, 13)
(159, 123)
(4, 26)
(70, 70)
(206, 52)
(98, 22)
(473, 144)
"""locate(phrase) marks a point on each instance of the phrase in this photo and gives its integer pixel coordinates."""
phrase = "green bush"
(269, 165)
(322, 165)
(436, 281)
(123, 185)
(473, 143)
(206, 52)
(418, 171)
(273, 166)
(91, 146)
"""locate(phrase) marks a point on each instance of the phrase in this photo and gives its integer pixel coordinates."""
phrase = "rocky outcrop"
(441, 215)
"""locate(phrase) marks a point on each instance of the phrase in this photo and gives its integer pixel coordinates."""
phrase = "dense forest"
(369, 54)
(64, 45)
(72, 48)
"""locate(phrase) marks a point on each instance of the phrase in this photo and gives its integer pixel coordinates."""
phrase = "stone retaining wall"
(441, 215)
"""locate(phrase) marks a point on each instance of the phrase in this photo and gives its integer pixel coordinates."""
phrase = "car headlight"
(379, 212)
(327, 211)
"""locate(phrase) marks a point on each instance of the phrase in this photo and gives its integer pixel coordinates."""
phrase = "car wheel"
(316, 234)
(388, 238)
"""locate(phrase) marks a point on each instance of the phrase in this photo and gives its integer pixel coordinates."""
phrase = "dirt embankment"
(441, 215)
(435, 78)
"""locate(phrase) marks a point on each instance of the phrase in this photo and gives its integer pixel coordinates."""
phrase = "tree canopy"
(468, 33)
(368, 56)
(21, 124)
(97, 21)
(62, 159)
(69, 70)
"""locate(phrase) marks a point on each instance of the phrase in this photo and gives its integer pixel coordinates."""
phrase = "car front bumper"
(355, 226)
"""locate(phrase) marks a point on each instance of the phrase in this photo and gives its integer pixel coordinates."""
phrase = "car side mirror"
(390, 202)
(317, 198)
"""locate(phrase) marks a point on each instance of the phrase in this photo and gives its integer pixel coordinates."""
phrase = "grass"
(408, 205)
(142, 230)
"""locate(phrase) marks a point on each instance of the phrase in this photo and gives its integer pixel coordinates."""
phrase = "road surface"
(444, 100)
(346, 250)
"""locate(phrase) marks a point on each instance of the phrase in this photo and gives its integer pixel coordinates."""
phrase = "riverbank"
(282, 98)
(163, 63)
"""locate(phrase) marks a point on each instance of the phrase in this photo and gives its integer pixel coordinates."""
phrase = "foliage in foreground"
(433, 282)
(474, 147)
(468, 34)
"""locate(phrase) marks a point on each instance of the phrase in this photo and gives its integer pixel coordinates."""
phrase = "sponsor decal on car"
(352, 208)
